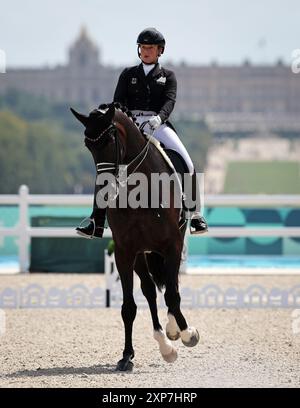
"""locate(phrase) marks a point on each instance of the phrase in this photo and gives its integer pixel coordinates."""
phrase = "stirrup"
(94, 224)
(195, 232)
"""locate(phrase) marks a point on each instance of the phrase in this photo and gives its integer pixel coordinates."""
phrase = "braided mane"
(120, 107)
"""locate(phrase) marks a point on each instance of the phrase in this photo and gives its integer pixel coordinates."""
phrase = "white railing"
(24, 231)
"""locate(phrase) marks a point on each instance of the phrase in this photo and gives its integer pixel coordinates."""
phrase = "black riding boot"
(198, 224)
(96, 226)
(97, 220)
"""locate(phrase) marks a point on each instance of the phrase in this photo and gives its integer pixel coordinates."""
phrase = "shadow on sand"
(57, 371)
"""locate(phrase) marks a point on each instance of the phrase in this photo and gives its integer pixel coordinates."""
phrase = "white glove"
(155, 122)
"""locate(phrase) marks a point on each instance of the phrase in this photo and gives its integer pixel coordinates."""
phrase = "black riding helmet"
(151, 36)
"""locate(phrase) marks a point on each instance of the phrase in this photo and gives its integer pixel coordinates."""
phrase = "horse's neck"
(134, 139)
(135, 142)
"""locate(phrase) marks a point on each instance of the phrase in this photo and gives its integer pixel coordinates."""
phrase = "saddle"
(177, 165)
(181, 168)
(177, 161)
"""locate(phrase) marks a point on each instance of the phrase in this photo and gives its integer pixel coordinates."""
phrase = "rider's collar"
(147, 68)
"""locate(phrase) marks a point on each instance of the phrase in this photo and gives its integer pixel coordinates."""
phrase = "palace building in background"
(231, 98)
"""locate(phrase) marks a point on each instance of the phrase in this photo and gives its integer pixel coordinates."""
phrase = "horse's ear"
(80, 116)
(110, 113)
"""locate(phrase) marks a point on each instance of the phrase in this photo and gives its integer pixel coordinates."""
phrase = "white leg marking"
(190, 336)
(172, 328)
(166, 348)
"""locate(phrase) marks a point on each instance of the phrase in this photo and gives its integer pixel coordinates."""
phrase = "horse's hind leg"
(167, 350)
(148, 288)
(125, 268)
(189, 335)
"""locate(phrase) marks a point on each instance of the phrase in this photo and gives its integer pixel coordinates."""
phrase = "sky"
(39, 32)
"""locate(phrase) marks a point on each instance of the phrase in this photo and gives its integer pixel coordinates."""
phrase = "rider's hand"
(155, 122)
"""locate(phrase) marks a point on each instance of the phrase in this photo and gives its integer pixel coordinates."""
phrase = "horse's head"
(96, 122)
(99, 132)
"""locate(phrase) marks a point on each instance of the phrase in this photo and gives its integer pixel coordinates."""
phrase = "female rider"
(149, 91)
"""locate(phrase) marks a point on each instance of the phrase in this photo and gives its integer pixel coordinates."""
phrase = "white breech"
(164, 134)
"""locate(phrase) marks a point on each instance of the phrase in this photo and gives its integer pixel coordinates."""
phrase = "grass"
(262, 177)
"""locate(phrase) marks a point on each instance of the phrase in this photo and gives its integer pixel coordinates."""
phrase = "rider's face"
(149, 53)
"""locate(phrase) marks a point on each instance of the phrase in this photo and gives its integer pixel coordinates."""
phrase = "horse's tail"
(156, 269)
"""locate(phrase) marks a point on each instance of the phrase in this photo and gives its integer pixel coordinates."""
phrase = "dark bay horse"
(147, 240)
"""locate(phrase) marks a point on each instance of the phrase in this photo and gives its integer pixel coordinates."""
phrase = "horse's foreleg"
(125, 268)
(167, 350)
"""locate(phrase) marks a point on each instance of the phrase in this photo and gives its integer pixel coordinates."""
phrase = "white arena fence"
(24, 231)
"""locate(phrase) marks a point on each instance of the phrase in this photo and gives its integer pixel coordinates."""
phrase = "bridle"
(110, 127)
(118, 167)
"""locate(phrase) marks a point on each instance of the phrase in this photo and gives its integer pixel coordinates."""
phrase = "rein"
(104, 166)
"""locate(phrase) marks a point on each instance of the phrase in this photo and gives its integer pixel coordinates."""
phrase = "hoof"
(124, 365)
(193, 340)
(173, 336)
(171, 357)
